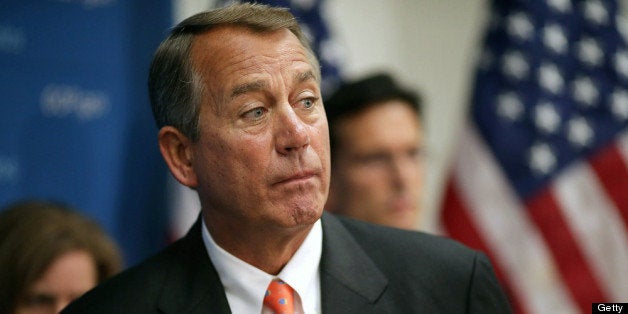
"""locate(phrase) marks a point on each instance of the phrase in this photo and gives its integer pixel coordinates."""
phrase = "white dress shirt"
(245, 285)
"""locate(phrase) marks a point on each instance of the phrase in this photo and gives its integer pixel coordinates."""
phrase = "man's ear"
(176, 149)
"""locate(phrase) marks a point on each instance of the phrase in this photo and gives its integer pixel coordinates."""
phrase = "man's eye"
(374, 159)
(308, 102)
(255, 113)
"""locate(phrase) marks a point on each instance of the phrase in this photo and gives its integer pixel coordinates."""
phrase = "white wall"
(429, 44)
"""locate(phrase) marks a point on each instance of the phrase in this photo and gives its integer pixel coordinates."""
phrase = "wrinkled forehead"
(228, 56)
(233, 41)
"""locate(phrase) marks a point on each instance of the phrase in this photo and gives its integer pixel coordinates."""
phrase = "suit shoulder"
(134, 290)
(382, 242)
(443, 274)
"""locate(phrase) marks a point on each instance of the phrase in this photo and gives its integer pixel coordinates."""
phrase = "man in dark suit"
(236, 94)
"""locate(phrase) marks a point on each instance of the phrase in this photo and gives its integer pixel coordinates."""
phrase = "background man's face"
(377, 172)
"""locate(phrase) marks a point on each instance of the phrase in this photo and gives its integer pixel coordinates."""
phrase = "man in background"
(376, 138)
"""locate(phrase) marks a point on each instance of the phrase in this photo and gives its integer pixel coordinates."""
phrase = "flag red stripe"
(461, 227)
(572, 265)
(612, 173)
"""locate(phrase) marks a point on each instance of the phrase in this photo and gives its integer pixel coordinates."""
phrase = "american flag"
(540, 178)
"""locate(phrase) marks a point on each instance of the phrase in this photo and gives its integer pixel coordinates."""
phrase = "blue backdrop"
(75, 121)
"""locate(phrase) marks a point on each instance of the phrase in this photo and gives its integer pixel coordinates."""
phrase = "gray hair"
(174, 86)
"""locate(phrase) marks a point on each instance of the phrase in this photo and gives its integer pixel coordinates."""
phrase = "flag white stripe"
(511, 235)
(596, 226)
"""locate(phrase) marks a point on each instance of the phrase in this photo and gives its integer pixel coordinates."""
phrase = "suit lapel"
(350, 281)
(192, 284)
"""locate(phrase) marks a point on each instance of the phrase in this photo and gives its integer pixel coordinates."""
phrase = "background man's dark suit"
(364, 269)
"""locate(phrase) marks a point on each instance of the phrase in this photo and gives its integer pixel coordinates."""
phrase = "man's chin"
(402, 217)
(304, 214)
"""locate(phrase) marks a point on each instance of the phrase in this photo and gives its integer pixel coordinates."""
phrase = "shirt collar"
(245, 284)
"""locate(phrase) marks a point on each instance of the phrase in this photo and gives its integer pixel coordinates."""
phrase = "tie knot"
(279, 297)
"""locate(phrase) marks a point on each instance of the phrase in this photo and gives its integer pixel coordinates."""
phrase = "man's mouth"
(299, 177)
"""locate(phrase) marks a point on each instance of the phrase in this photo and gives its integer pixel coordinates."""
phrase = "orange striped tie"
(279, 297)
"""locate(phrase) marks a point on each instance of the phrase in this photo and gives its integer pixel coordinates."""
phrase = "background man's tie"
(279, 297)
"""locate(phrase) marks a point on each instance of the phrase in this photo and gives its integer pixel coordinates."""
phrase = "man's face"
(377, 171)
(263, 154)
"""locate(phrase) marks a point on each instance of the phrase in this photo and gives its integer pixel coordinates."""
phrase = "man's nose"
(291, 131)
(402, 170)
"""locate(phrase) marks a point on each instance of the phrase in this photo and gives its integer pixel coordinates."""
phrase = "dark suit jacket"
(364, 269)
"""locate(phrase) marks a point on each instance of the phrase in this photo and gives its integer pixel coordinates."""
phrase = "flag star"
(619, 104)
(331, 51)
(555, 39)
(595, 12)
(546, 118)
(305, 29)
(519, 25)
(303, 4)
(622, 26)
(230, 2)
(589, 52)
(562, 6)
(579, 132)
(550, 78)
(621, 63)
(542, 159)
(509, 106)
(515, 66)
(585, 91)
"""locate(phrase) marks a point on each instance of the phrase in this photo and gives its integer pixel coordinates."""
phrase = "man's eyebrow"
(248, 87)
(260, 84)
(304, 76)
